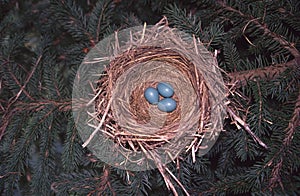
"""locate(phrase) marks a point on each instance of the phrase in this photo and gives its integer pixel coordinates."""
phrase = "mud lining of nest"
(141, 119)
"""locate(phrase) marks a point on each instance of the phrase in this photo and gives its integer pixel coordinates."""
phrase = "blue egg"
(167, 105)
(165, 89)
(151, 95)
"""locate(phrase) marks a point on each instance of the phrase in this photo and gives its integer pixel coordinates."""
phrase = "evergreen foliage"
(257, 45)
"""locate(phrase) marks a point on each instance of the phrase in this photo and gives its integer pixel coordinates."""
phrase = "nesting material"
(138, 121)
(120, 126)
(153, 55)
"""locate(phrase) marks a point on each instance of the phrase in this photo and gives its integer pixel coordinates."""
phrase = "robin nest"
(134, 122)
(139, 132)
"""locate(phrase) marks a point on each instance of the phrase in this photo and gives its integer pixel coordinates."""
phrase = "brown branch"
(268, 73)
(9, 113)
(284, 43)
(63, 105)
(265, 73)
(19, 84)
(9, 173)
(290, 131)
(104, 183)
(238, 120)
(276, 175)
(26, 81)
(100, 18)
(178, 182)
(271, 71)
(294, 123)
(31, 106)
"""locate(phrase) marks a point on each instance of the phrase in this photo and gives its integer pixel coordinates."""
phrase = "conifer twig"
(27, 80)
(9, 113)
(284, 43)
(9, 173)
(104, 183)
(246, 127)
(20, 85)
(290, 131)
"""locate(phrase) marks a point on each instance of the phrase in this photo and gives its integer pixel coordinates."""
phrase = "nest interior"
(134, 123)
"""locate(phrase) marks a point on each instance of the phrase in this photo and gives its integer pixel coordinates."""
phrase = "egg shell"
(165, 89)
(151, 95)
(167, 105)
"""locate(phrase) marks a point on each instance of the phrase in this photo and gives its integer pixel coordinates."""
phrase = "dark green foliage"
(71, 18)
(72, 153)
(43, 43)
(100, 19)
(187, 22)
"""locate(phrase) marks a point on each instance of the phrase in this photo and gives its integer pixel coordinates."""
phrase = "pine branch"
(294, 122)
(81, 183)
(284, 43)
(290, 131)
(42, 172)
(8, 114)
(238, 120)
(104, 183)
(61, 105)
(31, 106)
(100, 18)
(72, 153)
(72, 19)
(13, 76)
(179, 18)
(26, 81)
(267, 73)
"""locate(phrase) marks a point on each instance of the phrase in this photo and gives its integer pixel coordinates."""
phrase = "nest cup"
(138, 121)
(138, 135)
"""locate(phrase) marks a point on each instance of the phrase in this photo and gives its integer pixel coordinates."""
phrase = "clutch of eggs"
(167, 104)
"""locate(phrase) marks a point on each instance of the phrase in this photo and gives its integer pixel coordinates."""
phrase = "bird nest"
(134, 122)
(121, 127)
